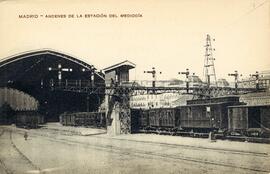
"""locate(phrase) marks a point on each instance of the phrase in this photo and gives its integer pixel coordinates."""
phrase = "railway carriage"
(144, 119)
(91, 119)
(198, 116)
(223, 115)
(28, 119)
(206, 115)
(249, 120)
(163, 120)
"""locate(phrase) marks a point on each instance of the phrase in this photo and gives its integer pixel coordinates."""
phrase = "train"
(202, 116)
(249, 120)
(29, 119)
(86, 119)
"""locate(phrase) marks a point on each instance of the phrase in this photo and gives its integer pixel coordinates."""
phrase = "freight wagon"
(249, 120)
(87, 119)
(198, 116)
(28, 119)
(162, 120)
(205, 115)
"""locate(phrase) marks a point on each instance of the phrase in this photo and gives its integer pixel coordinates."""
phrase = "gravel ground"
(54, 151)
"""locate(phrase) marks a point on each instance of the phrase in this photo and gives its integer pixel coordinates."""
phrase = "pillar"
(117, 114)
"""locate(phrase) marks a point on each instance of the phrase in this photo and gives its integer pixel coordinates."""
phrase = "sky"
(169, 36)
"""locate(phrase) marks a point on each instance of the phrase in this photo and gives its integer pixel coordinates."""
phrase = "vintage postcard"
(125, 87)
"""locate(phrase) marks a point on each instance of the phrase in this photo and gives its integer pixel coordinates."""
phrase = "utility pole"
(236, 78)
(256, 75)
(209, 66)
(153, 72)
(187, 78)
(60, 70)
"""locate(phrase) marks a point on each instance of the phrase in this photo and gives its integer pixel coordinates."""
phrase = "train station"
(45, 90)
(112, 87)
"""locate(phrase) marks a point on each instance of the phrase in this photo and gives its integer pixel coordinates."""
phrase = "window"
(208, 109)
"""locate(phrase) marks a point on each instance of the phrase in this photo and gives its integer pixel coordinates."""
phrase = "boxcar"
(162, 118)
(154, 118)
(28, 119)
(249, 120)
(139, 120)
(93, 119)
(204, 115)
(200, 116)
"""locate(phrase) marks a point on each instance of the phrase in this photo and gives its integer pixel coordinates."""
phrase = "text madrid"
(79, 15)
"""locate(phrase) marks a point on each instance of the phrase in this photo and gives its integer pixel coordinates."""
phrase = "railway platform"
(229, 145)
(101, 153)
(55, 126)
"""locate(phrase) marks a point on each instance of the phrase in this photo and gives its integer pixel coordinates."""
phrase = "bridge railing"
(134, 88)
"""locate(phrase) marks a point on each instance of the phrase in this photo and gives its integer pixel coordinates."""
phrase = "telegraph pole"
(236, 78)
(187, 78)
(153, 72)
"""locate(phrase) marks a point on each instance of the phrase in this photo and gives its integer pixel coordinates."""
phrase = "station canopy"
(33, 72)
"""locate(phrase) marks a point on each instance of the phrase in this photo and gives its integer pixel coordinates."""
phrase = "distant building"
(147, 101)
(223, 83)
(165, 100)
(264, 81)
(261, 98)
(161, 83)
(194, 81)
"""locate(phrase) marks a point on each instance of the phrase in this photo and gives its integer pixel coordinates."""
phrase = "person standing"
(25, 136)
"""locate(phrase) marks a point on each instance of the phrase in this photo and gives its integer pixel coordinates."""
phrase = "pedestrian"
(25, 136)
(212, 136)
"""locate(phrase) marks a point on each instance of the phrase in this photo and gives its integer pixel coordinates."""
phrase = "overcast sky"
(170, 36)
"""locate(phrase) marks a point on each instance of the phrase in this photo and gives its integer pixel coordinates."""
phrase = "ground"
(56, 149)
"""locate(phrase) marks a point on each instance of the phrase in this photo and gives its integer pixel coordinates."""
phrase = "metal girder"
(139, 90)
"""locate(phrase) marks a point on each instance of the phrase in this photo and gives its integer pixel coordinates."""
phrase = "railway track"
(2, 132)
(142, 153)
(2, 164)
(200, 148)
(21, 155)
(232, 151)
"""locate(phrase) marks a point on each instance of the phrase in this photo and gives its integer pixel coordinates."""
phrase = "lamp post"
(59, 69)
